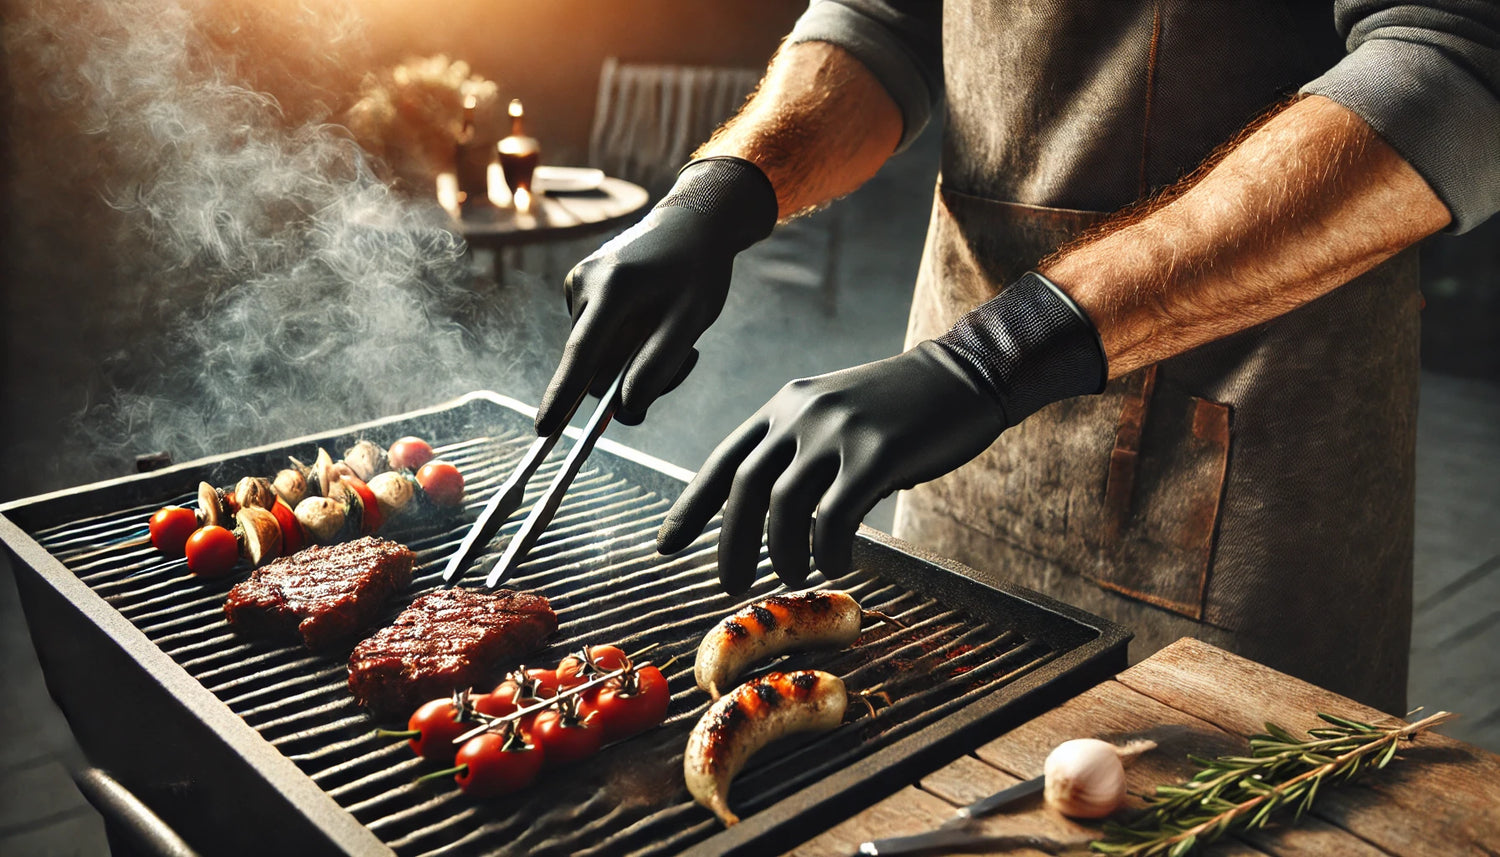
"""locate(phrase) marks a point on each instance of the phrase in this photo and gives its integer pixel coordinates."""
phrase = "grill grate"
(597, 564)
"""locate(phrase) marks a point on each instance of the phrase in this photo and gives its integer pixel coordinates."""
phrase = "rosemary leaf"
(1245, 792)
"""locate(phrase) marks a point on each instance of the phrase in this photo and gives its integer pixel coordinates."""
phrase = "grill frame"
(94, 658)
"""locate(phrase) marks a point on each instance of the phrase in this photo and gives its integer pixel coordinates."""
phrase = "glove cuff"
(732, 193)
(1031, 345)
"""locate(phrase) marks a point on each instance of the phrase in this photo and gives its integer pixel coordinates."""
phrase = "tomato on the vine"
(437, 723)
(211, 551)
(170, 529)
(631, 703)
(566, 733)
(593, 662)
(494, 764)
(442, 482)
(495, 705)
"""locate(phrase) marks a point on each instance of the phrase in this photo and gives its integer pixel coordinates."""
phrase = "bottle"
(471, 162)
(519, 155)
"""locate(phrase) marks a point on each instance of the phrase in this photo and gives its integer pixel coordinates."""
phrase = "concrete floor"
(775, 329)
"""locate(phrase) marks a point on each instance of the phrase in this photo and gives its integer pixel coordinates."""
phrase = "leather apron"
(1256, 492)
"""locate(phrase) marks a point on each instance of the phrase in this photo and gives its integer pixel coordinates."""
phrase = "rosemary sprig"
(1243, 792)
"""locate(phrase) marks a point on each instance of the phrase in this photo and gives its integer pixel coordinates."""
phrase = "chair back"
(649, 118)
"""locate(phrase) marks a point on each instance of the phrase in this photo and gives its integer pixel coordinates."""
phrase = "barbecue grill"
(250, 746)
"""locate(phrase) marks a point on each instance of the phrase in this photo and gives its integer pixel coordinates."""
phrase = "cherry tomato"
(541, 683)
(497, 764)
(370, 519)
(521, 689)
(292, 537)
(171, 527)
(566, 734)
(437, 723)
(409, 453)
(442, 482)
(578, 668)
(212, 551)
(495, 705)
(631, 703)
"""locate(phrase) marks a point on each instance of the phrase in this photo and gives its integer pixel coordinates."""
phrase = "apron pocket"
(1161, 499)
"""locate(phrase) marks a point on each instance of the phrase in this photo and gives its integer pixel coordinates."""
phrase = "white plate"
(566, 179)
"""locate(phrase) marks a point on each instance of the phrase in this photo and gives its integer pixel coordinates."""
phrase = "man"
(1197, 418)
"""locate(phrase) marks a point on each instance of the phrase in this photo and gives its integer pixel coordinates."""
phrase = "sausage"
(775, 626)
(750, 717)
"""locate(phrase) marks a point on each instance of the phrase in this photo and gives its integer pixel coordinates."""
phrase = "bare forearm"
(1309, 201)
(819, 126)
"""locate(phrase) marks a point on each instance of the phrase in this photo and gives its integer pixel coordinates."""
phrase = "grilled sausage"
(775, 626)
(750, 717)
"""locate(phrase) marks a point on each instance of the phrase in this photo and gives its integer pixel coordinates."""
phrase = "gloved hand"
(655, 288)
(840, 442)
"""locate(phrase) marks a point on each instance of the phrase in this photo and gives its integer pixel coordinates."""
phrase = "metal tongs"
(508, 499)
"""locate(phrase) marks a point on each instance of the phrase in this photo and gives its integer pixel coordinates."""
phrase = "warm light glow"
(515, 107)
(470, 102)
(447, 192)
(523, 200)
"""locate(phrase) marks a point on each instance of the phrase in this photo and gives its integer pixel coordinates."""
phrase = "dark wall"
(549, 53)
(192, 262)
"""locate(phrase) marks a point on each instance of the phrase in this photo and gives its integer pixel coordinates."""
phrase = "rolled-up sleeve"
(1426, 76)
(899, 41)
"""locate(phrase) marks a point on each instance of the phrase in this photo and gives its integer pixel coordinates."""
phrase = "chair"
(648, 120)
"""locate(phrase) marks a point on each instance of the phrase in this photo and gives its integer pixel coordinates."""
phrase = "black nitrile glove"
(656, 287)
(840, 442)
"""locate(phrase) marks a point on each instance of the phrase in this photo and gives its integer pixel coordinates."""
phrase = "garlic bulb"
(1085, 777)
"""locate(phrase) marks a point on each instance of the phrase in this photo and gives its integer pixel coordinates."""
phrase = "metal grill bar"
(597, 564)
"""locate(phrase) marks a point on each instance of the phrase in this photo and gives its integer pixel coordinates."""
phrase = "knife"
(954, 834)
(504, 504)
(541, 513)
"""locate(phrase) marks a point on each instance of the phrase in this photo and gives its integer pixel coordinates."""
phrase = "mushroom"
(254, 491)
(261, 534)
(393, 492)
(291, 484)
(321, 517)
(366, 459)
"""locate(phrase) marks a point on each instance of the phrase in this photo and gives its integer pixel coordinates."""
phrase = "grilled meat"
(750, 717)
(446, 640)
(323, 594)
(775, 626)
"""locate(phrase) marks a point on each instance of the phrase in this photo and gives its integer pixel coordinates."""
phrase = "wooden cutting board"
(1440, 797)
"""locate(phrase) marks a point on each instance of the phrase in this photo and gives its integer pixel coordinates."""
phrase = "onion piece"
(211, 511)
(260, 534)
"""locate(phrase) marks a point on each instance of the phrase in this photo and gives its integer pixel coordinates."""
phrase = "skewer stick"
(490, 722)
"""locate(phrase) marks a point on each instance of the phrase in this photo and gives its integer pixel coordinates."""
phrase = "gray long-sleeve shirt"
(1426, 76)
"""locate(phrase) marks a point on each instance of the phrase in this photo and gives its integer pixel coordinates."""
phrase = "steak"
(446, 640)
(323, 594)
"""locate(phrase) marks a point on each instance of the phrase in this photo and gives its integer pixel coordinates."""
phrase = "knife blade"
(944, 841)
(997, 801)
(541, 513)
(504, 504)
(955, 833)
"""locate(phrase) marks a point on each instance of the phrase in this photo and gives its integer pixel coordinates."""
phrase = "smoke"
(241, 272)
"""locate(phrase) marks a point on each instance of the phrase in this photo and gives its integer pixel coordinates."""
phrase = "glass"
(519, 155)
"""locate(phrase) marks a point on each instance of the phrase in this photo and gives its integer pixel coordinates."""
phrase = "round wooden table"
(554, 216)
